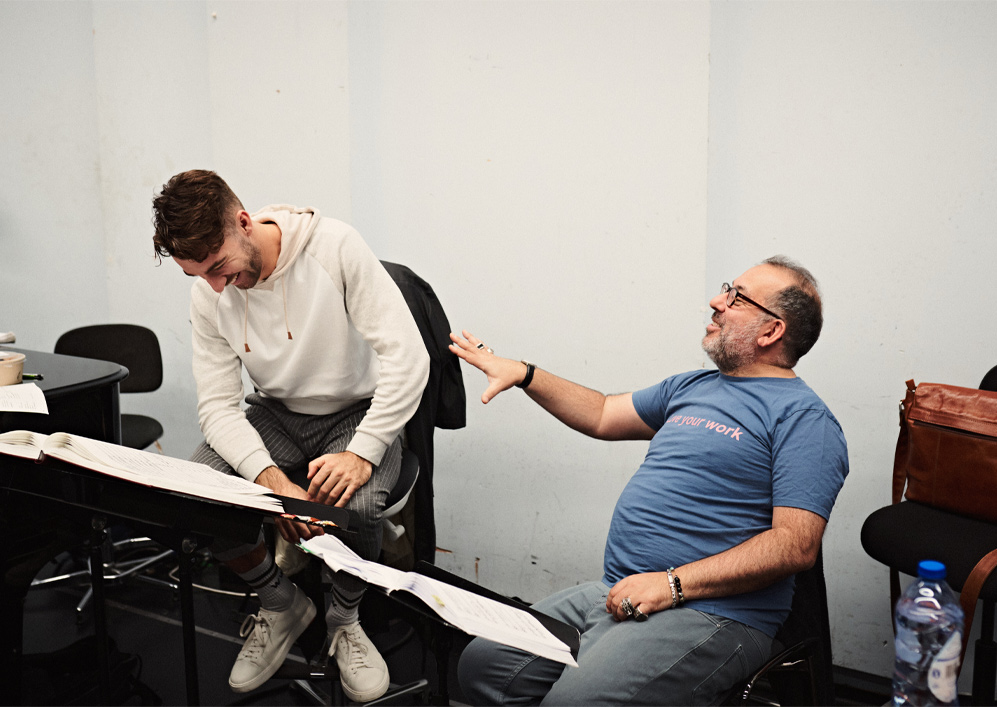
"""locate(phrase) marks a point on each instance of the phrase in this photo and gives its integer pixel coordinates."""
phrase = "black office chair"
(443, 403)
(902, 534)
(137, 349)
(442, 406)
(800, 670)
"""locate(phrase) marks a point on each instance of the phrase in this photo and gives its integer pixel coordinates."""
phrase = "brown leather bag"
(947, 458)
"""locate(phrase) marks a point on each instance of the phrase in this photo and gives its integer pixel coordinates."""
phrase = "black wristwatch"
(530, 368)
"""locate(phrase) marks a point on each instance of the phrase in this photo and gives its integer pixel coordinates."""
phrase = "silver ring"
(627, 606)
(490, 350)
(639, 615)
(480, 345)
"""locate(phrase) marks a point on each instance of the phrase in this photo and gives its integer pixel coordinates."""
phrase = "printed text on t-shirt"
(732, 432)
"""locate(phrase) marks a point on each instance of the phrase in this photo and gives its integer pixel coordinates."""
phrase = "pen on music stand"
(32, 377)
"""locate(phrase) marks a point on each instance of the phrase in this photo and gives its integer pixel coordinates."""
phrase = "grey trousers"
(293, 440)
(677, 657)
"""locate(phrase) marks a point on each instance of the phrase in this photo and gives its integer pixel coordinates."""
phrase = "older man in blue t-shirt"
(732, 499)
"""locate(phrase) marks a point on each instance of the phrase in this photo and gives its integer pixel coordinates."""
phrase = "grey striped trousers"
(293, 440)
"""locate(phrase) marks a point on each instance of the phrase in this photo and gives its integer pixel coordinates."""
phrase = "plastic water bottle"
(929, 624)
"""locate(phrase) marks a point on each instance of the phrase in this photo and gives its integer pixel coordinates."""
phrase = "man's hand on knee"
(648, 592)
(336, 477)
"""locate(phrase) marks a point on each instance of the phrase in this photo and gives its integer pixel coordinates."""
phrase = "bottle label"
(944, 670)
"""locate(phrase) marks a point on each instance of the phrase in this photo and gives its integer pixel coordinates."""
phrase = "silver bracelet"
(678, 588)
(671, 585)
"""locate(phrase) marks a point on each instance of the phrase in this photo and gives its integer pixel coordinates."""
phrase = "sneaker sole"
(371, 694)
(285, 647)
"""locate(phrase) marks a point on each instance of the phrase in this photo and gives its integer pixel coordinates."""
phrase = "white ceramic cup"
(11, 367)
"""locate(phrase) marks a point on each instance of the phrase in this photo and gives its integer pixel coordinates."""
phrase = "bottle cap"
(931, 569)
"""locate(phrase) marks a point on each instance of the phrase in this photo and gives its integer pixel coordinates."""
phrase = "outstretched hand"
(502, 373)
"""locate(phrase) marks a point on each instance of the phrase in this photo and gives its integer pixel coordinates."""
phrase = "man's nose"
(719, 303)
(217, 282)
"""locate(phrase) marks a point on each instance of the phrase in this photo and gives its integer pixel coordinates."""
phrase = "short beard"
(731, 350)
(254, 268)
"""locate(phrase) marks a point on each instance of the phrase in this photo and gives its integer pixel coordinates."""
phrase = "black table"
(83, 398)
(81, 393)
(50, 507)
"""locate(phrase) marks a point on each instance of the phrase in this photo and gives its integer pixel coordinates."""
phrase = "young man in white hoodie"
(338, 366)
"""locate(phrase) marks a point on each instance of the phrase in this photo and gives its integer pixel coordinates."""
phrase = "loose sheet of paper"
(26, 397)
(472, 613)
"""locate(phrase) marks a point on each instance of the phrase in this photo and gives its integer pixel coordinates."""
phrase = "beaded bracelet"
(671, 585)
(678, 588)
(678, 599)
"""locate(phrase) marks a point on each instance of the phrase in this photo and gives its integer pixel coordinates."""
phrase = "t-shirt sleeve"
(810, 461)
(651, 403)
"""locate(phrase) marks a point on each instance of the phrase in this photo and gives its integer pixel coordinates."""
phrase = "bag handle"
(971, 593)
(899, 481)
(903, 445)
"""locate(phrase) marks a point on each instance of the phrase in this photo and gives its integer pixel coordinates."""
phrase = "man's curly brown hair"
(192, 214)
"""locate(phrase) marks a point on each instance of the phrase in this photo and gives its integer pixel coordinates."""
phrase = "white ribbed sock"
(343, 608)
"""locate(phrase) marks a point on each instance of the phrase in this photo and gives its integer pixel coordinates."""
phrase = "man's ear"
(244, 221)
(771, 333)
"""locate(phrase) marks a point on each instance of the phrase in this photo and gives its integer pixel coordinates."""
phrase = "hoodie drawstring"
(245, 324)
(283, 294)
(245, 321)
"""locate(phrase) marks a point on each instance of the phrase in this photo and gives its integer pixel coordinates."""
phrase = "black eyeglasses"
(733, 295)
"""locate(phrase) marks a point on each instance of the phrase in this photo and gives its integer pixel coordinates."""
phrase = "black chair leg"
(985, 663)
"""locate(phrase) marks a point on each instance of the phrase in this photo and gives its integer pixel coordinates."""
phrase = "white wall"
(553, 193)
(51, 236)
(574, 178)
(859, 138)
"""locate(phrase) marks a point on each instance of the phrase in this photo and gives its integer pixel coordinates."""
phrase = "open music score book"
(140, 467)
(472, 613)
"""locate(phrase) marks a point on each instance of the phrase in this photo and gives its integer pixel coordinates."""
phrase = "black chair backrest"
(989, 381)
(129, 345)
(808, 618)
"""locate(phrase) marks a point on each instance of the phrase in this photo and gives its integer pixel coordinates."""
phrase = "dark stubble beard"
(731, 349)
(254, 268)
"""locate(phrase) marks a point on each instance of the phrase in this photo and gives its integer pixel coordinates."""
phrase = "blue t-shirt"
(725, 452)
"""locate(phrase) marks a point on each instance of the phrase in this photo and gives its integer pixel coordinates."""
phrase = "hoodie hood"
(296, 228)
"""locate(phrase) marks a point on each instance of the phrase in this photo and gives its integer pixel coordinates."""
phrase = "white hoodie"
(327, 329)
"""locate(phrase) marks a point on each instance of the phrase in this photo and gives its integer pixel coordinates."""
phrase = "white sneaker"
(271, 635)
(362, 670)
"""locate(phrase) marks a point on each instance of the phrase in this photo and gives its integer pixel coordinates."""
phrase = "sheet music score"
(472, 613)
(140, 467)
(26, 397)
(161, 471)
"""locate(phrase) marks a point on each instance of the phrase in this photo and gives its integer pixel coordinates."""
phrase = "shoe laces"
(356, 656)
(260, 628)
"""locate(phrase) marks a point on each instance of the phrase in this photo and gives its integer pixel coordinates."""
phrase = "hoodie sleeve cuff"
(368, 447)
(253, 465)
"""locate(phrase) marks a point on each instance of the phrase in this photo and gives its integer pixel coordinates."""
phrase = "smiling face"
(238, 262)
(731, 339)
(731, 345)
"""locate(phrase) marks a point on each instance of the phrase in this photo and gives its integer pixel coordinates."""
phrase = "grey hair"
(800, 304)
